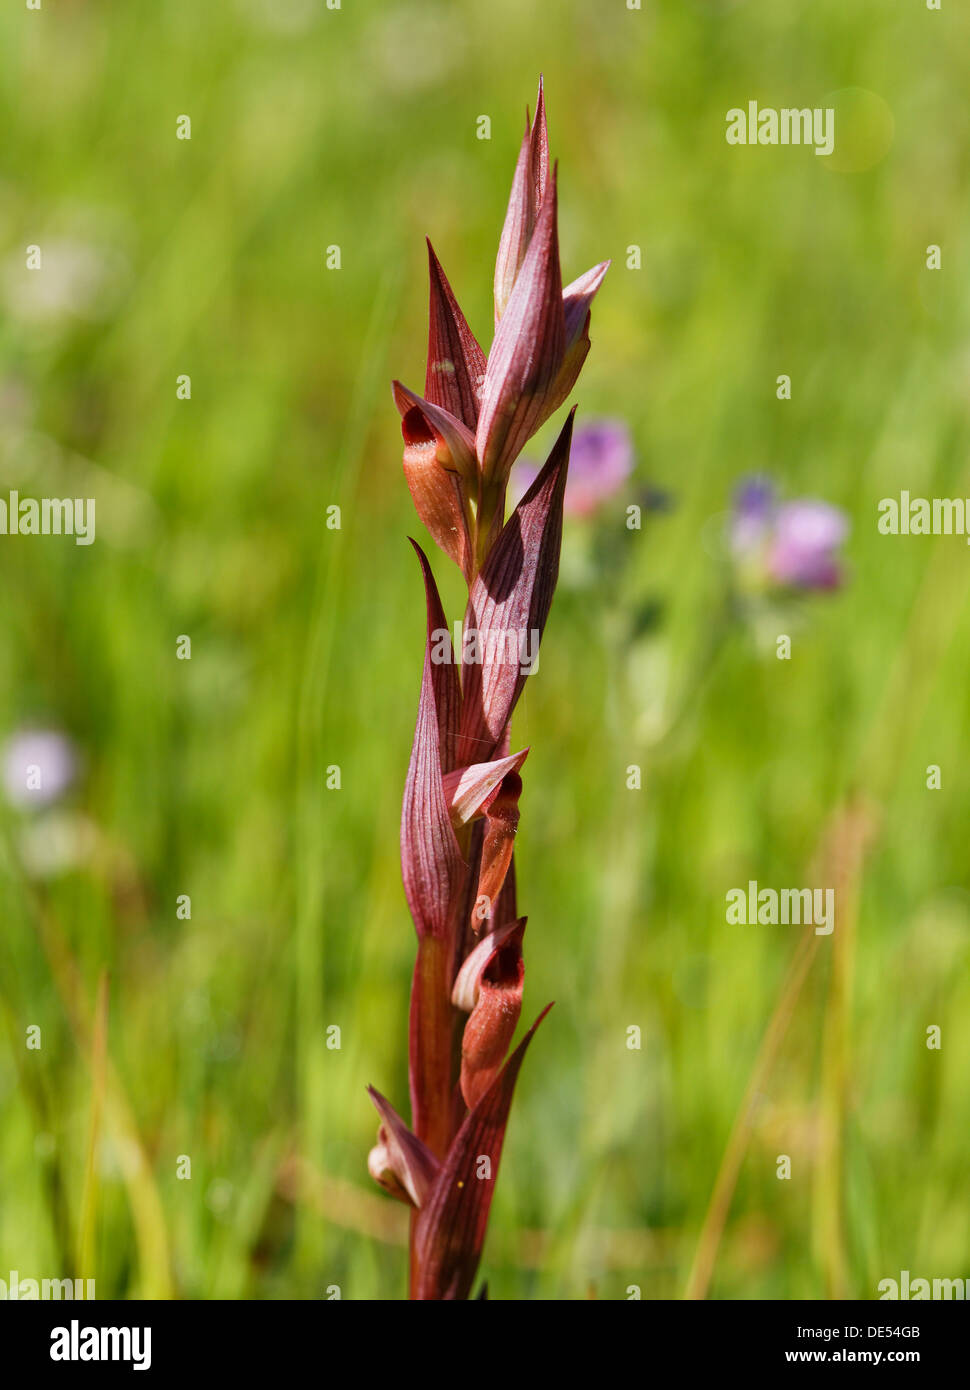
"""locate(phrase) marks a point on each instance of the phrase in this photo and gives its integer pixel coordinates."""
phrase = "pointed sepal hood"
(424, 421)
(576, 300)
(525, 201)
(456, 363)
(527, 352)
(470, 790)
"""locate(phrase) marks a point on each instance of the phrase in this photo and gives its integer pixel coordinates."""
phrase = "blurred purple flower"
(791, 544)
(600, 461)
(805, 544)
(754, 506)
(39, 766)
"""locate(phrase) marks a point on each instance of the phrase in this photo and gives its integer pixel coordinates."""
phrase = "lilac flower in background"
(39, 765)
(791, 545)
(600, 462)
(804, 548)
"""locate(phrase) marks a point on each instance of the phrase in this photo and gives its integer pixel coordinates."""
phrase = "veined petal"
(434, 879)
(431, 863)
(456, 363)
(519, 224)
(512, 595)
(445, 679)
(423, 422)
(576, 299)
(525, 202)
(527, 352)
(468, 789)
(450, 1230)
(539, 147)
(399, 1161)
(578, 296)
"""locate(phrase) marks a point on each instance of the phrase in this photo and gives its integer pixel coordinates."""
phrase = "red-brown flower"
(461, 800)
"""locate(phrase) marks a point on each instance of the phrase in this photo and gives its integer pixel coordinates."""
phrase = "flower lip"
(481, 959)
(417, 433)
(505, 967)
(453, 440)
(492, 1021)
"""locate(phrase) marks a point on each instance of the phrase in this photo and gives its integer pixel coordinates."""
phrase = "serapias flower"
(787, 545)
(477, 413)
(461, 799)
(600, 461)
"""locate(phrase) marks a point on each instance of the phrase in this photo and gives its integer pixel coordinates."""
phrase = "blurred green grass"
(356, 127)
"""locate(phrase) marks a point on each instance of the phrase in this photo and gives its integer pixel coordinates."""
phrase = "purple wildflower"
(39, 766)
(790, 545)
(754, 508)
(805, 544)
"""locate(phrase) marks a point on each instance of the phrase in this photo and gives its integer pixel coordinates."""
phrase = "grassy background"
(357, 128)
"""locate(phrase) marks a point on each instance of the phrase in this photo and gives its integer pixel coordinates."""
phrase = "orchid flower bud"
(497, 1004)
(402, 1165)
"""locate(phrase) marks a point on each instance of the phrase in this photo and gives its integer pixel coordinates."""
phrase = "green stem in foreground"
(489, 519)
